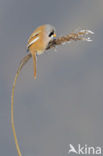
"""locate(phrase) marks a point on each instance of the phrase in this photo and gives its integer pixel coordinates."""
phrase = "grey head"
(50, 31)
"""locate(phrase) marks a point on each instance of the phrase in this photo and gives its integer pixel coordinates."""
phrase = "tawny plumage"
(39, 40)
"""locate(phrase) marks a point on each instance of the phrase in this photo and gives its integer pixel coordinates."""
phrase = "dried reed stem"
(81, 35)
(22, 63)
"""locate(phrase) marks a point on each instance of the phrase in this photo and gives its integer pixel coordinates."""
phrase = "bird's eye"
(52, 33)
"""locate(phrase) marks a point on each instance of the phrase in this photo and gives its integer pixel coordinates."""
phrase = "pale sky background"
(65, 104)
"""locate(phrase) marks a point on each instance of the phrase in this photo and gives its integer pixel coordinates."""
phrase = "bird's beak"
(54, 35)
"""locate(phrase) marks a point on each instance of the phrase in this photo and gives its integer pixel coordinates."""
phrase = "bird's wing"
(33, 38)
(34, 34)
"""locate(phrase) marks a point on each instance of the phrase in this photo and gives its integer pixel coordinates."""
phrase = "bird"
(38, 42)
